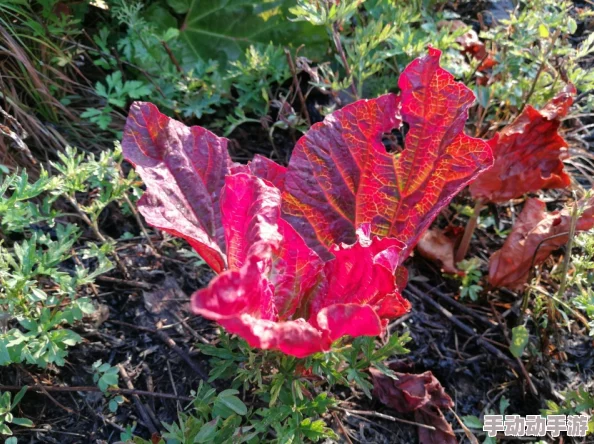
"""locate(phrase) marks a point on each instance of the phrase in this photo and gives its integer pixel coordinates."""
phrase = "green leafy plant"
(293, 401)
(581, 281)
(186, 71)
(224, 418)
(474, 422)
(469, 287)
(575, 402)
(253, 77)
(159, 61)
(534, 54)
(6, 416)
(216, 32)
(106, 376)
(373, 52)
(128, 434)
(101, 178)
(41, 312)
(116, 93)
(17, 205)
(41, 274)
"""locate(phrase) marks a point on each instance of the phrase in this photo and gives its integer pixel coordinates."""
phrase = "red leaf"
(409, 392)
(250, 212)
(359, 275)
(184, 170)
(421, 394)
(242, 301)
(528, 153)
(340, 320)
(264, 168)
(269, 170)
(280, 283)
(340, 175)
(297, 268)
(535, 235)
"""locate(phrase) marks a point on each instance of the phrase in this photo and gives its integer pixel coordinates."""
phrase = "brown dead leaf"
(439, 246)
(443, 433)
(535, 235)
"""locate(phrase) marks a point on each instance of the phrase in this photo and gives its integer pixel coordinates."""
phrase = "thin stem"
(136, 215)
(532, 87)
(566, 259)
(469, 231)
(139, 222)
(147, 418)
(93, 226)
(297, 87)
(525, 301)
(577, 314)
(345, 63)
(539, 72)
(540, 244)
(382, 416)
(172, 57)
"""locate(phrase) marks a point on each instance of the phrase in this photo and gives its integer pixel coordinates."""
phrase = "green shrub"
(42, 259)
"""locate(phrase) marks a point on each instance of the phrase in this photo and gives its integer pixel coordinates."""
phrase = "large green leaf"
(223, 29)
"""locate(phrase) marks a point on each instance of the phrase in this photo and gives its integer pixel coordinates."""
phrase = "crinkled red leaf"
(421, 394)
(253, 227)
(184, 171)
(340, 175)
(282, 296)
(264, 168)
(361, 274)
(528, 154)
(269, 170)
(386, 251)
(250, 210)
(336, 162)
(535, 235)
(354, 320)
(242, 301)
(297, 271)
(360, 289)
(409, 391)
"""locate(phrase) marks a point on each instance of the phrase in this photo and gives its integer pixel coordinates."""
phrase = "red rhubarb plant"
(310, 253)
(340, 174)
(278, 294)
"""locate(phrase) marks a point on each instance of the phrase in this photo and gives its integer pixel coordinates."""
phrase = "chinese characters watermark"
(536, 425)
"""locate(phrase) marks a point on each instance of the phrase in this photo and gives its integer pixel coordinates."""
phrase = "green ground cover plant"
(42, 274)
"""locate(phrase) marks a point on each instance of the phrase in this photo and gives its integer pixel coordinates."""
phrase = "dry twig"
(485, 343)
